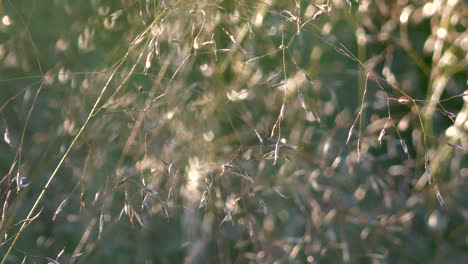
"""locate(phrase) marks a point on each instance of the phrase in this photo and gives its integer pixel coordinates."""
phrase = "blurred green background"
(237, 131)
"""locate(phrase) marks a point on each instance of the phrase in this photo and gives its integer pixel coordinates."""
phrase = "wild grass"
(233, 131)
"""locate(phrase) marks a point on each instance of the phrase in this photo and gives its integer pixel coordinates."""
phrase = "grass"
(241, 131)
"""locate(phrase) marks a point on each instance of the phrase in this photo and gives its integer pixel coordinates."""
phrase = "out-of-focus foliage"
(236, 131)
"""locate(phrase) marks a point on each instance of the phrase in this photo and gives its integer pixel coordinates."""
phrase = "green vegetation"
(235, 131)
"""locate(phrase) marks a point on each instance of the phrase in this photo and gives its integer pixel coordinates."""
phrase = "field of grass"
(235, 131)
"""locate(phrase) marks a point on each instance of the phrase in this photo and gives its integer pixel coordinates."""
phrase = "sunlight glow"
(6, 21)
